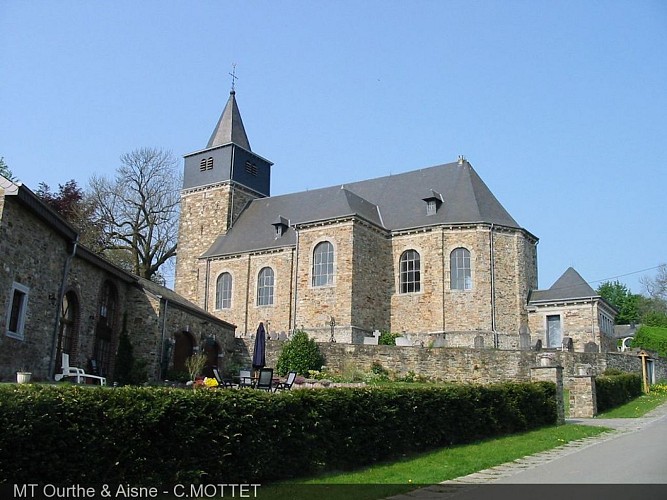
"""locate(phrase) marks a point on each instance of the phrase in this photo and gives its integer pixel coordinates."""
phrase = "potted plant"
(23, 376)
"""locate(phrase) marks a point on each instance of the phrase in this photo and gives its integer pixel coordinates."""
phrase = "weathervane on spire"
(233, 75)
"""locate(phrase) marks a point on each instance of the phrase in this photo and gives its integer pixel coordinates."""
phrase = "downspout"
(248, 298)
(296, 275)
(493, 288)
(291, 288)
(61, 295)
(444, 282)
(206, 281)
(164, 361)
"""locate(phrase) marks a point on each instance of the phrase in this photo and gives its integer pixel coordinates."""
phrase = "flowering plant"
(210, 382)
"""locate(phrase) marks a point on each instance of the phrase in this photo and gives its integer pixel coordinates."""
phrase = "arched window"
(223, 291)
(459, 264)
(410, 272)
(323, 264)
(104, 331)
(265, 287)
(69, 312)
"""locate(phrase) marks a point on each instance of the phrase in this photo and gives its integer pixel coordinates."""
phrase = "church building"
(429, 252)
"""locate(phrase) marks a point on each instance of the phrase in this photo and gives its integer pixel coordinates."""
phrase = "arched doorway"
(212, 352)
(69, 317)
(183, 349)
(107, 312)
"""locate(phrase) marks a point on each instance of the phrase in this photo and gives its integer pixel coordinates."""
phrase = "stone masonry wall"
(453, 364)
(33, 256)
(204, 215)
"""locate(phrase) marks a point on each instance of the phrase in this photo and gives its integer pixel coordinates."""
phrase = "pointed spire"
(230, 127)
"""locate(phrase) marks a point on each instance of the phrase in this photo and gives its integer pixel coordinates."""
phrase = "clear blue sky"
(560, 106)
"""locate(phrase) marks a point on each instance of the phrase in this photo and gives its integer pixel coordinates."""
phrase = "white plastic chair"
(77, 373)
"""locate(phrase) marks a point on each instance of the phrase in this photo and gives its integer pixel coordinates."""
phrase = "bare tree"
(138, 211)
(656, 288)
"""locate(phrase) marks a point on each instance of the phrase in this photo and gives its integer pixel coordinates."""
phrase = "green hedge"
(615, 390)
(159, 436)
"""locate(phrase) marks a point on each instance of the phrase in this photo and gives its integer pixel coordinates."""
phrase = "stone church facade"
(431, 253)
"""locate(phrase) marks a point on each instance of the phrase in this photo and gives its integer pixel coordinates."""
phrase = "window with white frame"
(265, 287)
(323, 264)
(461, 276)
(18, 305)
(409, 272)
(223, 291)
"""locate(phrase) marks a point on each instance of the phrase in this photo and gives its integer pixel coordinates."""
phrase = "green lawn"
(382, 480)
(638, 407)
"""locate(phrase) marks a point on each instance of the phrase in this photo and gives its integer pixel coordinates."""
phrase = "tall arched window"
(223, 291)
(69, 312)
(323, 264)
(459, 264)
(104, 331)
(265, 287)
(410, 272)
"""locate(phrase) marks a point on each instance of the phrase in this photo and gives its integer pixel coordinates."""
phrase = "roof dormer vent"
(433, 201)
(281, 224)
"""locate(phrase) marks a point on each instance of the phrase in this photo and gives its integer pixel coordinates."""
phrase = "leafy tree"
(5, 171)
(138, 211)
(619, 296)
(71, 202)
(300, 354)
(653, 307)
(652, 338)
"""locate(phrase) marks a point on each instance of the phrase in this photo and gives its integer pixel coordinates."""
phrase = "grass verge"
(382, 480)
(640, 406)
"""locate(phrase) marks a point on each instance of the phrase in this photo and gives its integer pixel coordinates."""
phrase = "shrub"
(388, 338)
(195, 364)
(615, 390)
(300, 354)
(150, 436)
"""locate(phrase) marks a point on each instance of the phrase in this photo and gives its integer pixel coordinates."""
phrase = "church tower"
(218, 182)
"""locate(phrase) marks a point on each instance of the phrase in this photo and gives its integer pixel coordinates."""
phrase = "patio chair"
(245, 378)
(222, 383)
(265, 380)
(76, 373)
(287, 384)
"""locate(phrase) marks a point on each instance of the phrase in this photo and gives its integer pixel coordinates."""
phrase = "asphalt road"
(635, 456)
(630, 462)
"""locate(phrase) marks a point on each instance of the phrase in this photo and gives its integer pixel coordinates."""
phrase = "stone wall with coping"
(451, 364)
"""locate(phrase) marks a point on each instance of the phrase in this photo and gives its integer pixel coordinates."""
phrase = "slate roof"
(569, 286)
(230, 127)
(394, 202)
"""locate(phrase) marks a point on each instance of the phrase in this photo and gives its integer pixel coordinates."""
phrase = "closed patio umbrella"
(258, 355)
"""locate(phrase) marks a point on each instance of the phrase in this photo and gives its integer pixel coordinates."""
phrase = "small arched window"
(265, 287)
(323, 264)
(459, 263)
(410, 272)
(223, 291)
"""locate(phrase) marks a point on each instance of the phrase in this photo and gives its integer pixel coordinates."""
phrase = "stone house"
(430, 252)
(57, 296)
(571, 309)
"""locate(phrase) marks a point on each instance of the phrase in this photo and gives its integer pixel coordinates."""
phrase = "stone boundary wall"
(482, 366)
